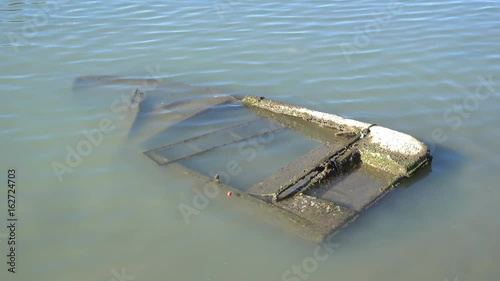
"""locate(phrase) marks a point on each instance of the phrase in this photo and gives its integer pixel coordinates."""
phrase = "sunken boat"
(314, 172)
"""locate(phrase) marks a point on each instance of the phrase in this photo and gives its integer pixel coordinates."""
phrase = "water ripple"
(402, 67)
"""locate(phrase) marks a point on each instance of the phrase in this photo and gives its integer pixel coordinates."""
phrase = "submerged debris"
(324, 189)
(352, 165)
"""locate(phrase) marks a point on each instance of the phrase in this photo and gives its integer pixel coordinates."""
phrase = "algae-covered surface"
(319, 188)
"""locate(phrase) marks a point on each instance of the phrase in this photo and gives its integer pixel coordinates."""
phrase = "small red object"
(229, 193)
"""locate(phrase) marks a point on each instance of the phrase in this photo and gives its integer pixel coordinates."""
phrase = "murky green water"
(430, 69)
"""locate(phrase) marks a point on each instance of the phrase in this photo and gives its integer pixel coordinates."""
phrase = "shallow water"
(429, 69)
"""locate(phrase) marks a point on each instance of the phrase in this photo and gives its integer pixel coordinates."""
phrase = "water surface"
(429, 69)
